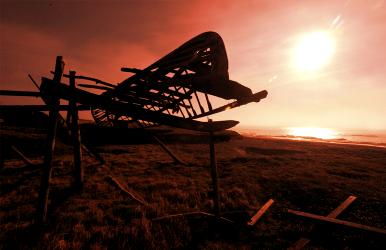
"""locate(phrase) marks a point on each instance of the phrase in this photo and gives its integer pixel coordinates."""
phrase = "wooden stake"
(260, 213)
(213, 166)
(75, 133)
(41, 212)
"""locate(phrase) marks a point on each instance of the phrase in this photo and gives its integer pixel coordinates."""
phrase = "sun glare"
(313, 51)
(322, 133)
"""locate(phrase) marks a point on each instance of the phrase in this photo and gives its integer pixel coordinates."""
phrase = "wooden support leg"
(75, 133)
(167, 150)
(213, 166)
(41, 212)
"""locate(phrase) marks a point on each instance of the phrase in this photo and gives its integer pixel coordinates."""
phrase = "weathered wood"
(121, 187)
(75, 133)
(135, 112)
(22, 156)
(333, 221)
(47, 165)
(214, 175)
(302, 242)
(260, 213)
(62, 123)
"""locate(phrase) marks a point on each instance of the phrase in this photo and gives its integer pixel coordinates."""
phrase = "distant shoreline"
(316, 140)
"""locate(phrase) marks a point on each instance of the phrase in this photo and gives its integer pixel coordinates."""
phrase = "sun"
(313, 51)
(322, 133)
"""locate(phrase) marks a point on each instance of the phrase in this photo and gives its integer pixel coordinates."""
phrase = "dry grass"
(312, 177)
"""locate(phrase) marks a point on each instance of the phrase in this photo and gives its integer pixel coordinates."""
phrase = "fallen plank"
(302, 242)
(337, 221)
(260, 213)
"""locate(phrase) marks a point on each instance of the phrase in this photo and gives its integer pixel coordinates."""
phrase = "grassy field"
(308, 176)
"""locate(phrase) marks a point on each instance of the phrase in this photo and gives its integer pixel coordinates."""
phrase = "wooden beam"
(334, 221)
(302, 242)
(260, 213)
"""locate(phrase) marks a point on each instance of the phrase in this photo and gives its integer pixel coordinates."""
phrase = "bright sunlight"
(313, 51)
(322, 133)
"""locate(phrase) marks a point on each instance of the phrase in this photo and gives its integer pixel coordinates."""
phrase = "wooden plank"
(337, 211)
(75, 133)
(260, 213)
(302, 242)
(41, 211)
(334, 221)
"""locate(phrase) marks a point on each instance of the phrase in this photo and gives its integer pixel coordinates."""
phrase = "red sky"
(97, 38)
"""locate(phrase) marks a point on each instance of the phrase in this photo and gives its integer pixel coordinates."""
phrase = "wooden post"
(54, 102)
(213, 166)
(75, 134)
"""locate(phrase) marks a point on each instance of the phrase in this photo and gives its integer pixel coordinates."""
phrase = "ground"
(307, 176)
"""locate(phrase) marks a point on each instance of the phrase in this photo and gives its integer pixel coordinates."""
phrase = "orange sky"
(97, 38)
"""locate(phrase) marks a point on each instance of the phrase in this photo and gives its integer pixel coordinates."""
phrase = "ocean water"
(375, 138)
